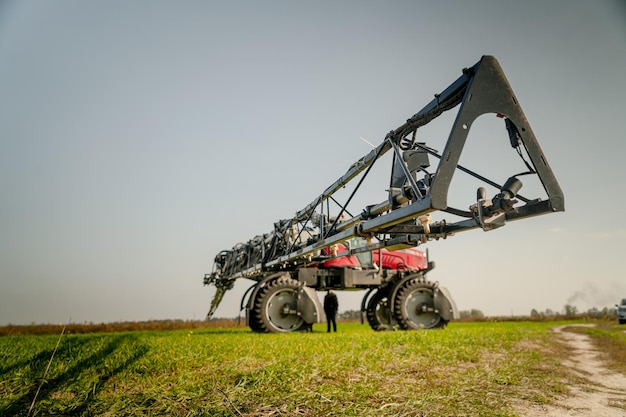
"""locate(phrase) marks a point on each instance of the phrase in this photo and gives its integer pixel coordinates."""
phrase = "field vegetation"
(468, 369)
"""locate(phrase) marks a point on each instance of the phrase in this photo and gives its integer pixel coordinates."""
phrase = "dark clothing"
(331, 318)
(331, 305)
(330, 302)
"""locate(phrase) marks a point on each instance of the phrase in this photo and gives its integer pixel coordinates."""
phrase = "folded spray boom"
(304, 243)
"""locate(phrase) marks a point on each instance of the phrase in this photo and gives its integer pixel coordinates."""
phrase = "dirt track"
(603, 392)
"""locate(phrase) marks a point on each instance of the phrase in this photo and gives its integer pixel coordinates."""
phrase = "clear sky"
(138, 139)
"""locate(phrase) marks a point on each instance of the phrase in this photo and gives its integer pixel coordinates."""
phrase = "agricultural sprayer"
(328, 246)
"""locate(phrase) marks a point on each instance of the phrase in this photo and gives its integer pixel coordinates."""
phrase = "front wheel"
(275, 307)
(414, 306)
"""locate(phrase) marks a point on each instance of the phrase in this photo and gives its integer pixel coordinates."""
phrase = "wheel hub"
(420, 308)
(280, 310)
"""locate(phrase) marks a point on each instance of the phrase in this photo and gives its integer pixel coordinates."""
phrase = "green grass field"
(468, 369)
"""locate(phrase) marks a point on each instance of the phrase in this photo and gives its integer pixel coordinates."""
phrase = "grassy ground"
(468, 369)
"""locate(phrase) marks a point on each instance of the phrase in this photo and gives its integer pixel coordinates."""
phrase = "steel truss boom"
(403, 220)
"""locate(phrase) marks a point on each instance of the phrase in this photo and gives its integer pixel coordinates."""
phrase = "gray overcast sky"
(138, 139)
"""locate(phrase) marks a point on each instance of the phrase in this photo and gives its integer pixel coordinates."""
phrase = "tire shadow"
(125, 347)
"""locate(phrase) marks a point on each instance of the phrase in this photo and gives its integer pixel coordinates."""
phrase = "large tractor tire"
(252, 319)
(378, 313)
(414, 305)
(275, 307)
(255, 323)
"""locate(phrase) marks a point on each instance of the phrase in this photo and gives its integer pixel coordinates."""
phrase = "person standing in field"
(331, 305)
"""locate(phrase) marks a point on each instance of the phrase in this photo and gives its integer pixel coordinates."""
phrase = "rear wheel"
(414, 306)
(275, 307)
(378, 313)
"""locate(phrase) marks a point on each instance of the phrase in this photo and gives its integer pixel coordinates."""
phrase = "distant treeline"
(568, 312)
(125, 326)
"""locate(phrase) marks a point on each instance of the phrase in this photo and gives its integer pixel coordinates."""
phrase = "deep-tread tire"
(377, 311)
(269, 305)
(414, 306)
(254, 323)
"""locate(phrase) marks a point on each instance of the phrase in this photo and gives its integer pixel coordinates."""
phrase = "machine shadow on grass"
(125, 345)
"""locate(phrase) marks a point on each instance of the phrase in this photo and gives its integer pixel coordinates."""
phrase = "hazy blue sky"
(138, 139)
